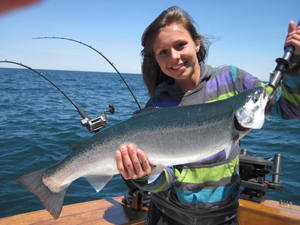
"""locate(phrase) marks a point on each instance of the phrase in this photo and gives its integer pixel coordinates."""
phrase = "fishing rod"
(100, 53)
(283, 64)
(136, 198)
(93, 125)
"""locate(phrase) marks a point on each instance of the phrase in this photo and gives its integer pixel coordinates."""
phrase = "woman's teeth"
(178, 67)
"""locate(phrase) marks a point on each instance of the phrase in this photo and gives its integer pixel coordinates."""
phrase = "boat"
(132, 208)
(114, 211)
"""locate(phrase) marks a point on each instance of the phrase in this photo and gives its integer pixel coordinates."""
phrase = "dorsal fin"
(73, 146)
(145, 110)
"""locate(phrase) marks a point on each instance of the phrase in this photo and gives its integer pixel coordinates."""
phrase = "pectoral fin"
(98, 181)
(230, 148)
(155, 173)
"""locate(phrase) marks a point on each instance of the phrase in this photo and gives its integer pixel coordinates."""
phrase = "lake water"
(38, 124)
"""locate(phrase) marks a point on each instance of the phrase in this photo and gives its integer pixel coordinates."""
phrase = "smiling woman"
(175, 75)
(186, 41)
(176, 53)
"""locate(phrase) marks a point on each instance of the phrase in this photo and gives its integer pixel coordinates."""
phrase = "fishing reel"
(283, 64)
(94, 125)
(253, 171)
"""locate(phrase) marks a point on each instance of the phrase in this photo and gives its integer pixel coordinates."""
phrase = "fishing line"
(20, 64)
(93, 125)
(100, 53)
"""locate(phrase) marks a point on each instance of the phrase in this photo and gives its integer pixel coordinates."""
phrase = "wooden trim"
(104, 211)
(111, 211)
(268, 213)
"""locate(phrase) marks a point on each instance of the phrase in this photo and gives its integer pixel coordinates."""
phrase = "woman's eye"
(163, 52)
(181, 45)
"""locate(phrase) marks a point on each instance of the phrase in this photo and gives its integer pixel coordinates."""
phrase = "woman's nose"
(175, 54)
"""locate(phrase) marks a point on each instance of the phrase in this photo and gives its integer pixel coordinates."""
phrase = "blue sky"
(248, 34)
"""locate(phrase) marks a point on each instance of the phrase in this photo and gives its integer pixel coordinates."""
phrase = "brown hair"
(152, 74)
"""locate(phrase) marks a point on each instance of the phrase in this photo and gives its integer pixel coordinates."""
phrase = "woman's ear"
(197, 43)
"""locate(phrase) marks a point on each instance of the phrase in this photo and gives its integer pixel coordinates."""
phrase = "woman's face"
(175, 52)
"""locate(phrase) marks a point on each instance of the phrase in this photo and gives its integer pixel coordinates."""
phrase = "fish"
(169, 136)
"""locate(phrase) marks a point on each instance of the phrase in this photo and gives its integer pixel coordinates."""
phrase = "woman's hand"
(132, 163)
(293, 37)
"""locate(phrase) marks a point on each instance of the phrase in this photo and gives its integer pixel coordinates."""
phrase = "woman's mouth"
(179, 66)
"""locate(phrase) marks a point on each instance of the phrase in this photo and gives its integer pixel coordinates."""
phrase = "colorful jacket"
(208, 191)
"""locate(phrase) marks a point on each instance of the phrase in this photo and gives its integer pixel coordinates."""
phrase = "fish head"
(252, 113)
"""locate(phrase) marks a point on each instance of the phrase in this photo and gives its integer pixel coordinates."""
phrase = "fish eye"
(256, 96)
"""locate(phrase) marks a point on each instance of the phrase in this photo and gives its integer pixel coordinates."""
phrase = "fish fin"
(52, 201)
(98, 181)
(73, 146)
(155, 173)
(230, 148)
(148, 109)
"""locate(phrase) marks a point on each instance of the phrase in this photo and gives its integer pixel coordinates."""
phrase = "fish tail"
(52, 201)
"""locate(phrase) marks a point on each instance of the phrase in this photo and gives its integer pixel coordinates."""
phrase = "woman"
(175, 75)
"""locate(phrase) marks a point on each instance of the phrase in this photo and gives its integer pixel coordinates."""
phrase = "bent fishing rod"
(93, 125)
(136, 195)
(100, 53)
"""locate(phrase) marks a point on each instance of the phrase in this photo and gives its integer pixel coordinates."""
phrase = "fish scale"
(168, 136)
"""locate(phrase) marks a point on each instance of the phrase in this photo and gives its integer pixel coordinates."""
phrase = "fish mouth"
(238, 126)
(252, 114)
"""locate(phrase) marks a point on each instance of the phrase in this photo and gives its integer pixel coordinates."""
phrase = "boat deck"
(104, 211)
(112, 211)
(268, 213)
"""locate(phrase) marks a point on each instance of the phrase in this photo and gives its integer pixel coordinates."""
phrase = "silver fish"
(169, 136)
